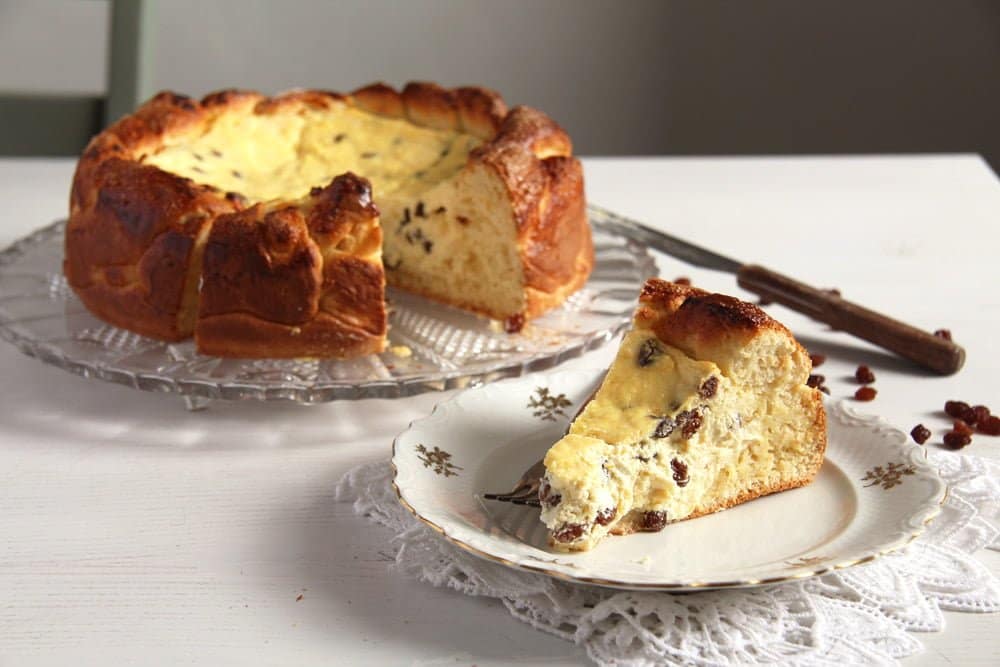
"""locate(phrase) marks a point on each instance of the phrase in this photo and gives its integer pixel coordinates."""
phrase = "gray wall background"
(626, 77)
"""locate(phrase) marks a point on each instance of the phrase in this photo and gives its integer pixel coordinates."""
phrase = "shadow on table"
(42, 402)
(342, 563)
(861, 353)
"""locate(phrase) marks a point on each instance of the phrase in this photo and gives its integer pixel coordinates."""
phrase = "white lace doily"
(855, 616)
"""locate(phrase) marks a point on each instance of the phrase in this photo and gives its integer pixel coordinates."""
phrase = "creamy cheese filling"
(663, 433)
(283, 155)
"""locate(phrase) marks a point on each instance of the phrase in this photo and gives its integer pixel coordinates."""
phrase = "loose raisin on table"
(817, 359)
(960, 426)
(654, 520)
(920, 433)
(969, 416)
(865, 394)
(816, 381)
(864, 375)
(955, 408)
(982, 413)
(606, 516)
(569, 532)
(990, 427)
(954, 440)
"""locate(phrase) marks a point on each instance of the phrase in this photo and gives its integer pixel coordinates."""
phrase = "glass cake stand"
(431, 347)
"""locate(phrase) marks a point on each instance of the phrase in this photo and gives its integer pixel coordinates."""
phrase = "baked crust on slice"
(706, 406)
(509, 237)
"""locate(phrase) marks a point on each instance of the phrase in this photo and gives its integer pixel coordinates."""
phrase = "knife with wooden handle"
(932, 352)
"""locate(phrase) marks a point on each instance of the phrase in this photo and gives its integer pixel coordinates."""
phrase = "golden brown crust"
(702, 324)
(278, 280)
(135, 235)
(532, 156)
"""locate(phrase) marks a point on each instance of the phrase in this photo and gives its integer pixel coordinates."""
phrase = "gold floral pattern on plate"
(548, 406)
(439, 460)
(888, 476)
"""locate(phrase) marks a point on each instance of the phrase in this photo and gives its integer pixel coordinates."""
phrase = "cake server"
(930, 351)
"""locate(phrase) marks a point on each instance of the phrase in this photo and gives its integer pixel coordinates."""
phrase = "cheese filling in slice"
(704, 407)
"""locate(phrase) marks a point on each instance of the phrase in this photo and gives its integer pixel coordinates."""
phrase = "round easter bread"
(269, 226)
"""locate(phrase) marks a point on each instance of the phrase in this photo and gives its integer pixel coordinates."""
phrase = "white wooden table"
(136, 532)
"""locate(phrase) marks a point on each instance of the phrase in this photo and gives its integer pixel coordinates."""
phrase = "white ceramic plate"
(874, 494)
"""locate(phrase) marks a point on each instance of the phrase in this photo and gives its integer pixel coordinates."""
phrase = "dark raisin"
(236, 174)
(959, 426)
(690, 422)
(236, 198)
(514, 323)
(682, 280)
(982, 413)
(462, 220)
(664, 428)
(709, 387)
(648, 351)
(865, 394)
(445, 152)
(339, 137)
(969, 416)
(367, 155)
(817, 359)
(552, 500)
(569, 532)
(654, 520)
(198, 157)
(943, 333)
(920, 433)
(642, 459)
(606, 516)
(991, 426)
(954, 440)
(816, 381)
(428, 246)
(680, 470)
(419, 210)
(955, 408)
(546, 497)
(864, 375)
(440, 209)
(216, 153)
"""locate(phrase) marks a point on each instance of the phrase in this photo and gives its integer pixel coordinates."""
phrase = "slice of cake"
(706, 406)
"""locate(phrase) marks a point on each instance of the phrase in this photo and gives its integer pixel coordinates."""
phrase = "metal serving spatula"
(932, 352)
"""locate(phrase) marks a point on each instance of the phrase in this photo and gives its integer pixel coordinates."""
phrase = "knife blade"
(933, 352)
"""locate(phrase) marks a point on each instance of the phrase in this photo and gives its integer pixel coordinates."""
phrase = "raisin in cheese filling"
(659, 437)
